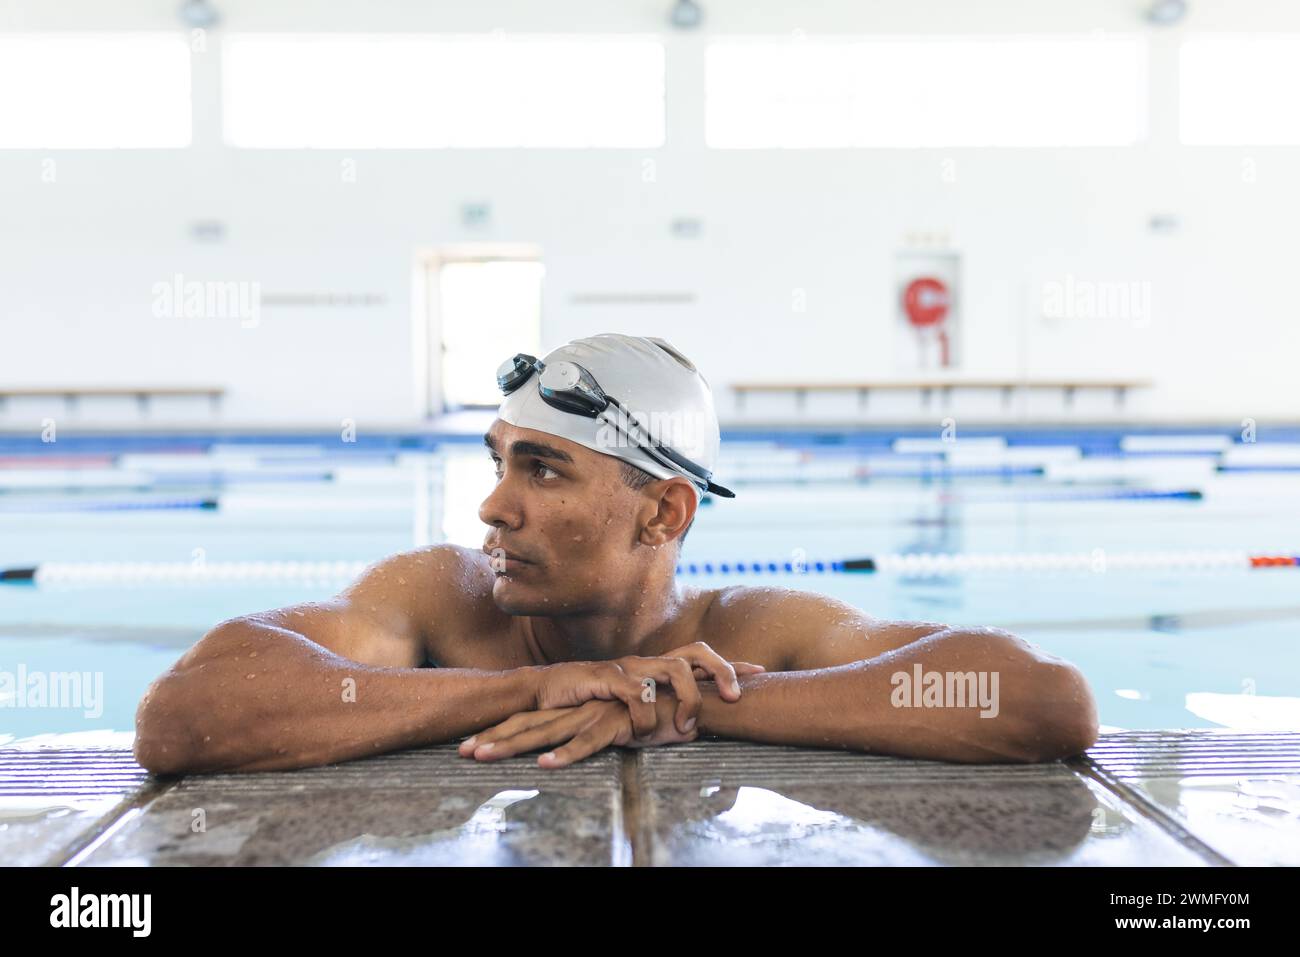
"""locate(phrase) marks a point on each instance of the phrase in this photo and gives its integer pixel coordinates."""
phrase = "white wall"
(78, 257)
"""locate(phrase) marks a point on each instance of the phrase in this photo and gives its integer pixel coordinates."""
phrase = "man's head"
(587, 512)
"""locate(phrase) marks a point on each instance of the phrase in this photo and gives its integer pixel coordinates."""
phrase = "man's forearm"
(1041, 711)
(283, 702)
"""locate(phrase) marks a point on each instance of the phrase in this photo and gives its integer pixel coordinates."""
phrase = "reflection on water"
(1052, 819)
(757, 813)
(245, 822)
(34, 829)
(479, 835)
(68, 740)
(1246, 712)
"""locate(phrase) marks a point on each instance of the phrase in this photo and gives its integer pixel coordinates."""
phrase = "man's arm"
(324, 682)
(909, 689)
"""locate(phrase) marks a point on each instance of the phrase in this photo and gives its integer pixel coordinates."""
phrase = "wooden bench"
(945, 386)
(71, 395)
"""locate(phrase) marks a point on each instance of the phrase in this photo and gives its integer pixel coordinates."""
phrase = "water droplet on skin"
(250, 676)
(252, 654)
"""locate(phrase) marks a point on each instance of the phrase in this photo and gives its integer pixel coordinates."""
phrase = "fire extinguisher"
(926, 302)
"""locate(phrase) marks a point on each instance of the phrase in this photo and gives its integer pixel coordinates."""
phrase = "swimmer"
(568, 633)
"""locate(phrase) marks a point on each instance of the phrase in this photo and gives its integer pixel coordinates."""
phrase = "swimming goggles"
(569, 387)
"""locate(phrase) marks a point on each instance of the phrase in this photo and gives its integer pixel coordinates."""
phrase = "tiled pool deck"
(1213, 798)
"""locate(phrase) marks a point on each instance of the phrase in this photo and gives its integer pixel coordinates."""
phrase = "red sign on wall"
(926, 301)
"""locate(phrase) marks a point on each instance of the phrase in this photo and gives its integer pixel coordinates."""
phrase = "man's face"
(563, 524)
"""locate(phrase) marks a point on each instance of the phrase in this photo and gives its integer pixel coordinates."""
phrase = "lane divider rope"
(923, 564)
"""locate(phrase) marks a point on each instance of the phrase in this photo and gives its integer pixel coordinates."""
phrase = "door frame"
(426, 318)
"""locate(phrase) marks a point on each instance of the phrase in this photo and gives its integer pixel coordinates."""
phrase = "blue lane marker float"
(221, 477)
(111, 506)
(1102, 495)
(1278, 467)
(1190, 494)
(758, 568)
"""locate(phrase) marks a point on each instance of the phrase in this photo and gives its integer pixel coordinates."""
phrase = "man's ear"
(673, 504)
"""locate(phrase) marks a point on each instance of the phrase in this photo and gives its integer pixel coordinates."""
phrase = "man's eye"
(544, 471)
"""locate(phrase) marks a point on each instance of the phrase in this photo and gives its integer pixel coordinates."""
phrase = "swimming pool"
(1164, 646)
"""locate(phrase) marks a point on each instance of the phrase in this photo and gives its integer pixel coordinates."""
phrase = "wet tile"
(1139, 798)
(422, 807)
(1236, 792)
(721, 803)
(53, 801)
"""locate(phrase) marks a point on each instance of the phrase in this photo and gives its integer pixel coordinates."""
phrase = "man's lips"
(503, 558)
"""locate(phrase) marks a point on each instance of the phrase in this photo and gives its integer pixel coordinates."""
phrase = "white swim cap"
(658, 386)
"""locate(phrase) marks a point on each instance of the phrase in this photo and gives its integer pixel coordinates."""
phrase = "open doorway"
(476, 306)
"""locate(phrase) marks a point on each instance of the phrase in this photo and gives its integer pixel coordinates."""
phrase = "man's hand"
(582, 731)
(572, 683)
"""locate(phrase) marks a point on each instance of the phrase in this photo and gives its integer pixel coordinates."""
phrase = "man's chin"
(515, 598)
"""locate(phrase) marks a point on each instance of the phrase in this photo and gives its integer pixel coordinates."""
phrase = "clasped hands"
(587, 706)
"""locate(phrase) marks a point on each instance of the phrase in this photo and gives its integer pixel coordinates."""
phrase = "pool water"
(1163, 647)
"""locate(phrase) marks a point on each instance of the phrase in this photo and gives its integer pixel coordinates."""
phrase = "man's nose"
(501, 508)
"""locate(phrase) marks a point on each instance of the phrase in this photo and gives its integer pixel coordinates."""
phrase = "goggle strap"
(699, 473)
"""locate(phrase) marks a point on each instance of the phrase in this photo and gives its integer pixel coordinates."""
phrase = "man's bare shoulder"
(439, 570)
(446, 588)
(779, 607)
(768, 624)
(803, 629)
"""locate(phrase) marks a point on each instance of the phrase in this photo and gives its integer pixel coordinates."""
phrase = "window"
(1239, 89)
(430, 92)
(94, 92)
(926, 92)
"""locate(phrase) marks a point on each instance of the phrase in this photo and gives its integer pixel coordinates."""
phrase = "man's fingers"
(672, 671)
(742, 668)
(679, 673)
(640, 700)
(528, 739)
(618, 683)
(512, 725)
(586, 743)
(715, 666)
